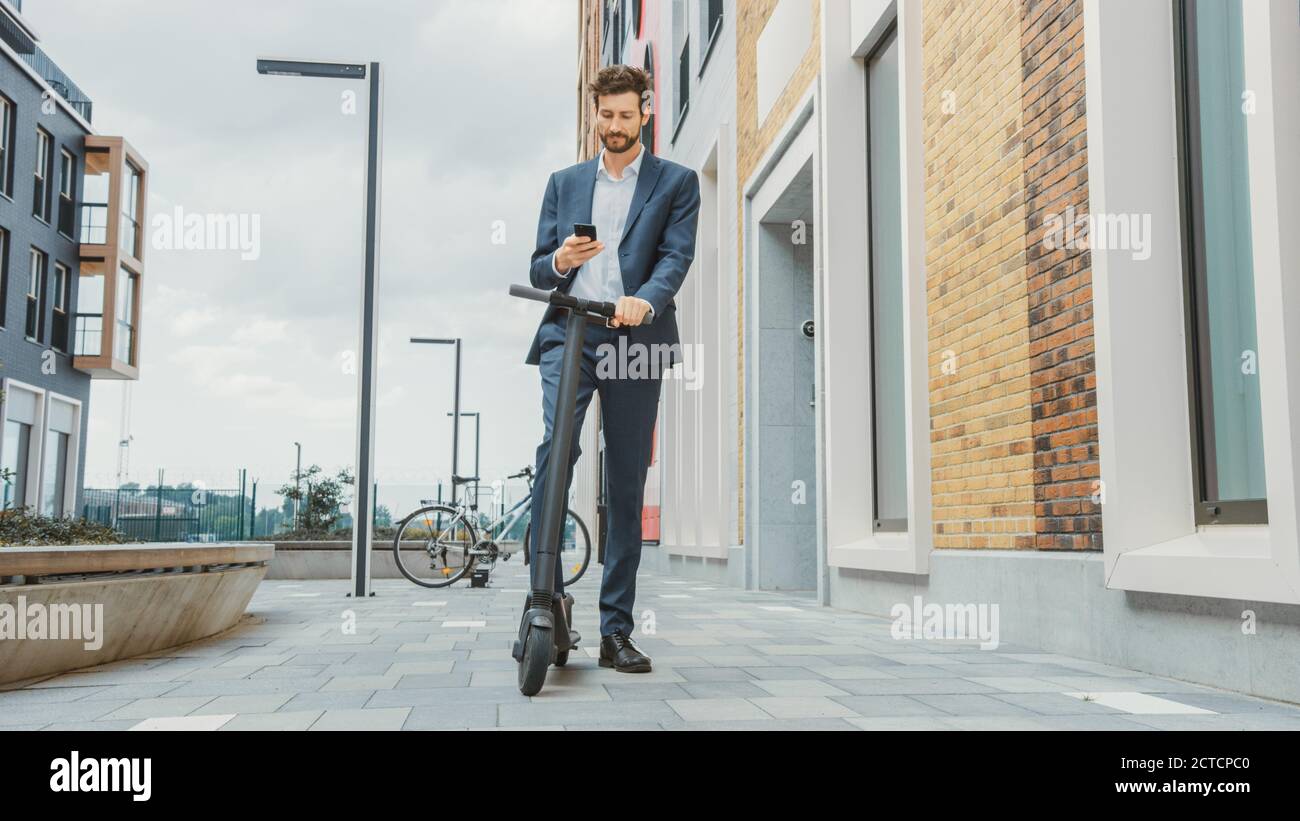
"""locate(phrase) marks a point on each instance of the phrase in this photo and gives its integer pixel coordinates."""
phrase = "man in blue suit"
(645, 210)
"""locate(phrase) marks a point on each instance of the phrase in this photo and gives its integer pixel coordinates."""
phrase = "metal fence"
(189, 514)
(172, 514)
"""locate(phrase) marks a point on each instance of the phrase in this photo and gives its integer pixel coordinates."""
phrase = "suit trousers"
(629, 405)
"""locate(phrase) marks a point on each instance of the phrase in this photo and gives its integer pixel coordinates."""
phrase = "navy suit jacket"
(656, 250)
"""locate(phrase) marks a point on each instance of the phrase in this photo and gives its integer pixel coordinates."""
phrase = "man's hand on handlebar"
(575, 251)
(630, 311)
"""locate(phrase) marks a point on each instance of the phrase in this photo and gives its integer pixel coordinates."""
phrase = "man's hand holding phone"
(577, 249)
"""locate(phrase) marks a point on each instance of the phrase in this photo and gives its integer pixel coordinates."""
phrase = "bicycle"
(451, 552)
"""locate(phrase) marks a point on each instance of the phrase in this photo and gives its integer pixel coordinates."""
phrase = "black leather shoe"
(618, 651)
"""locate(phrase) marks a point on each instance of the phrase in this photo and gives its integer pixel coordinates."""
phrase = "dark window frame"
(1196, 317)
(67, 211)
(59, 341)
(648, 130)
(9, 135)
(45, 189)
(714, 31)
(889, 36)
(40, 297)
(6, 239)
(683, 86)
(132, 185)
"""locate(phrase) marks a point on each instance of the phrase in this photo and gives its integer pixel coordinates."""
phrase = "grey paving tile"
(770, 725)
(1235, 703)
(572, 713)
(447, 696)
(718, 709)
(723, 689)
(1055, 704)
(911, 686)
(91, 726)
(164, 707)
(655, 691)
(464, 716)
(379, 719)
(888, 705)
(261, 722)
(713, 674)
(352, 699)
(67, 712)
(220, 705)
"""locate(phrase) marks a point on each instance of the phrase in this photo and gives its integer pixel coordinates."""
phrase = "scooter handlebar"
(526, 292)
(589, 307)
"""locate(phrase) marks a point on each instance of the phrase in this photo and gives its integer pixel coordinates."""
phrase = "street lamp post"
(297, 487)
(362, 518)
(455, 408)
(476, 416)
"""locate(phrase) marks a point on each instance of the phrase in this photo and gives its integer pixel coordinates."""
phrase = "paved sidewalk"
(723, 659)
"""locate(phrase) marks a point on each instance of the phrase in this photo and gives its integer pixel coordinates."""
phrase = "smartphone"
(582, 229)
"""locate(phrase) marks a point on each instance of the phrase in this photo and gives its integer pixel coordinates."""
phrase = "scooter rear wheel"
(537, 657)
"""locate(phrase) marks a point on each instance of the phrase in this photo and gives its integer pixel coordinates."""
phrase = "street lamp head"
(307, 68)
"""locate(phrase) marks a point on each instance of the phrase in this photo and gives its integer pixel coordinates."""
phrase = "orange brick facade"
(1063, 382)
(1013, 389)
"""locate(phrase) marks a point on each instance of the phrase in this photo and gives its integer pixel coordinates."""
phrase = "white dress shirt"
(601, 277)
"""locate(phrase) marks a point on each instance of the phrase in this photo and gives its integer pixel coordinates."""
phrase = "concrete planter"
(54, 617)
(332, 560)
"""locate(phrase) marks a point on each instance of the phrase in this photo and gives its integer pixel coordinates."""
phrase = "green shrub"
(19, 526)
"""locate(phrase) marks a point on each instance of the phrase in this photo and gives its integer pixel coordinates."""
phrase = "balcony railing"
(94, 223)
(59, 81)
(90, 335)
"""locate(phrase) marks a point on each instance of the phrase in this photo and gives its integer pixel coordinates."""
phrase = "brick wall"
(1012, 389)
(1063, 376)
(978, 302)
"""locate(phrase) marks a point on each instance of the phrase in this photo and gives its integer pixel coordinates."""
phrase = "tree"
(319, 497)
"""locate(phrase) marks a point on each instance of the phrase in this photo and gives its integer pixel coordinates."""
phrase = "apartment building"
(72, 211)
(992, 301)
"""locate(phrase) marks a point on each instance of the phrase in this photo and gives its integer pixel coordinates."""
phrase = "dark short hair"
(620, 79)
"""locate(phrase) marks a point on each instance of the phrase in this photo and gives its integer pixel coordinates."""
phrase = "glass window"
(62, 283)
(17, 445)
(129, 235)
(94, 199)
(124, 335)
(4, 276)
(683, 78)
(41, 189)
(6, 143)
(90, 315)
(67, 208)
(55, 475)
(889, 433)
(35, 327)
(1224, 352)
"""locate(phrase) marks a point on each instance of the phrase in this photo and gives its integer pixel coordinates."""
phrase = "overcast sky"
(241, 358)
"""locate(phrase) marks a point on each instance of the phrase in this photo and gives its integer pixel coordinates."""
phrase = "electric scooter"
(546, 633)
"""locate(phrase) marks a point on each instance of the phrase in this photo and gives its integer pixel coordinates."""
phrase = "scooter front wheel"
(537, 657)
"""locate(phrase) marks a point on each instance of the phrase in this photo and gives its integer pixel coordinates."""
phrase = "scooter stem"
(554, 503)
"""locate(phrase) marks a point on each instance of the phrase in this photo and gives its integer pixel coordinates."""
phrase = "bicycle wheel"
(575, 547)
(432, 546)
